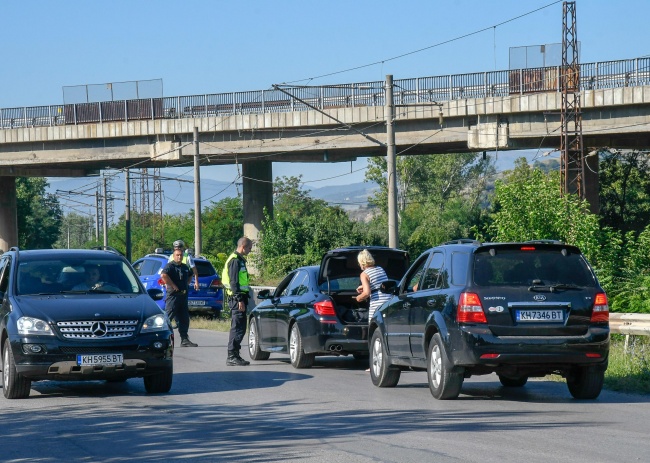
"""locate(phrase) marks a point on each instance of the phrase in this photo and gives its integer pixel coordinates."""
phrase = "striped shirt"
(377, 276)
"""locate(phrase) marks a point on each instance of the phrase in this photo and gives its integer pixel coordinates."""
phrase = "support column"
(258, 195)
(8, 215)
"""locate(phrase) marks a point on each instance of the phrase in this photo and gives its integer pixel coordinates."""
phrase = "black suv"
(79, 315)
(519, 310)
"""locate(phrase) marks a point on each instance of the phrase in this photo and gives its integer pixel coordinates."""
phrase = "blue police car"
(207, 300)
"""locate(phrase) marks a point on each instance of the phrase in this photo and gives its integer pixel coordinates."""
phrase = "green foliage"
(528, 205)
(301, 230)
(76, 231)
(39, 214)
(624, 180)
(440, 197)
(629, 371)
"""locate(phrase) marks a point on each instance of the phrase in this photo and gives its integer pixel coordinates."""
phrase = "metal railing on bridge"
(600, 75)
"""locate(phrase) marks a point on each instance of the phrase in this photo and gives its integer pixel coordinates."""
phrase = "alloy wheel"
(436, 366)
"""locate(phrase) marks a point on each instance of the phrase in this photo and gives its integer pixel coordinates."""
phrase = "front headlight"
(29, 325)
(156, 322)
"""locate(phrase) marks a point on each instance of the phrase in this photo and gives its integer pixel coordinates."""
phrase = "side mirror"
(155, 294)
(389, 287)
(265, 294)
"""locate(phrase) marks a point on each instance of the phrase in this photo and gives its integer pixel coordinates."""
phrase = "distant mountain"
(78, 194)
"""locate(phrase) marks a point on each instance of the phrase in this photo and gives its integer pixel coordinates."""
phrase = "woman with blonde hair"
(372, 276)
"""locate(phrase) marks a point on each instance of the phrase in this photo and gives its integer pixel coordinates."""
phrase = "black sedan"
(313, 310)
(79, 315)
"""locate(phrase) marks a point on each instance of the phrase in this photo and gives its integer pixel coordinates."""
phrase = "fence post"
(126, 115)
(49, 114)
(101, 116)
(152, 110)
(451, 93)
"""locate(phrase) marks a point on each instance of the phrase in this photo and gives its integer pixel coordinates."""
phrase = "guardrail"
(630, 323)
(593, 76)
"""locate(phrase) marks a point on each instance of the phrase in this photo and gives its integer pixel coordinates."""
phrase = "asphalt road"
(270, 412)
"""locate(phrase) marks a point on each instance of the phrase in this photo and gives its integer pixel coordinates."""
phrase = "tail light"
(600, 312)
(470, 309)
(216, 284)
(161, 282)
(324, 308)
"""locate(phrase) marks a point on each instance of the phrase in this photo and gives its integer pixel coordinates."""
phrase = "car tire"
(381, 373)
(586, 382)
(14, 386)
(160, 382)
(360, 356)
(513, 382)
(443, 383)
(254, 351)
(298, 357)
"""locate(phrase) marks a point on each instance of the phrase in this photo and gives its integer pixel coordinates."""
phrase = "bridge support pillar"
(8, 215)
(258, 195)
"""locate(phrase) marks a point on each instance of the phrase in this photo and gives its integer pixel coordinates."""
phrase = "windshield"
(515, 267)
(79, 276)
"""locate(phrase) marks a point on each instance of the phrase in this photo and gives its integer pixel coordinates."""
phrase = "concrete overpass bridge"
(504, 110)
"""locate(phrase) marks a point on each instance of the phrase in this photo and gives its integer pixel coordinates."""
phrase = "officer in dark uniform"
(177, 275)
(235, 281)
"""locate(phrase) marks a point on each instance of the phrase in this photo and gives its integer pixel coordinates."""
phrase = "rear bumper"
(334, 338)
(477, 346)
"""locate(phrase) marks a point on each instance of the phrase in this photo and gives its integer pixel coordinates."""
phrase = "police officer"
(176, 275)
(187, 260)
(236, 285)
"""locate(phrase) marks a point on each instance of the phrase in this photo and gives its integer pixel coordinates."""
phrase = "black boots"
(187, 343)
(235, 360)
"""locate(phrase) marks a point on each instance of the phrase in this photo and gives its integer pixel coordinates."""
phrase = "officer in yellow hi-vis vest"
(236, 284)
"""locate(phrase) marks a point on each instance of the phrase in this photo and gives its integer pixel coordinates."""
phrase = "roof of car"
(36, 253)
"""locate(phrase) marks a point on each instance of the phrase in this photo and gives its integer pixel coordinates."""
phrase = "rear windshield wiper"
(553, 288)
(564, 286)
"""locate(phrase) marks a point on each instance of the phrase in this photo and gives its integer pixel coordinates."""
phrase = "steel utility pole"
(578, 176)
(197, 195)
(391, 168)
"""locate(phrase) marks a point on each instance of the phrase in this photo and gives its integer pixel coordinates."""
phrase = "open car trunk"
(339, 277)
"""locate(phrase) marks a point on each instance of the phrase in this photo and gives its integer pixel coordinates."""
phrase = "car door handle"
(431, 303)
(406, 305)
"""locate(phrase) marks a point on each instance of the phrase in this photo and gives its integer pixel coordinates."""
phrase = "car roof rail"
(107, 248)
(464, 241)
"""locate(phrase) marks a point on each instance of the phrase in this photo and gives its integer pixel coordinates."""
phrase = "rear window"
(204, 268)
(514, 267)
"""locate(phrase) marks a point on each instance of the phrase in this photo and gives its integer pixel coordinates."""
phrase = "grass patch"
(629, 371)
(207, 324)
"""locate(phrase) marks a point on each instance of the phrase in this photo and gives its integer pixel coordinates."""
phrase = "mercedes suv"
(519, 310)
(79, 315)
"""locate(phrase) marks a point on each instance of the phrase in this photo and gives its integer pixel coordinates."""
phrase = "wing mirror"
(155, 294)
(265, 294)
(389, 287)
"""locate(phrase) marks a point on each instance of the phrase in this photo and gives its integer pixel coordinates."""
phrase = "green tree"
(39, 214)
(528, 205)
(76, 231)
(301, 230)
(223, 223)
(624, 180)
(440, 197)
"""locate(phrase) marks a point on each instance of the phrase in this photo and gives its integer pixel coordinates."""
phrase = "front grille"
(98, 329)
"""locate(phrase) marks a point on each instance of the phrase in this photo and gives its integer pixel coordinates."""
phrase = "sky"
(212, 46)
